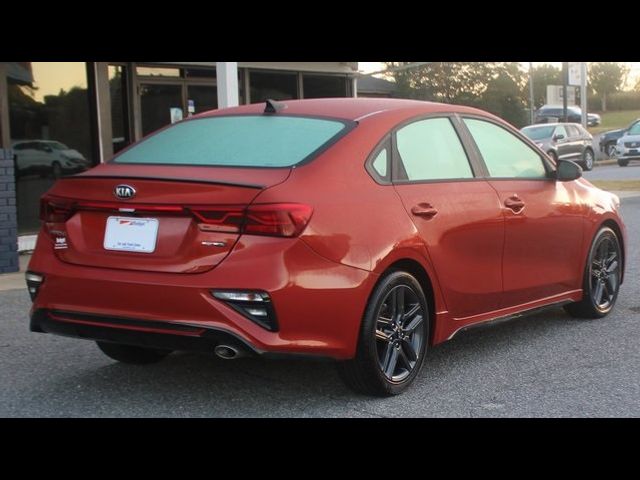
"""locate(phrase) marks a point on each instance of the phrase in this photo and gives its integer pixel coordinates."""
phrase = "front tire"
(393, 338)
(587, 159)
(602, 276)
(611, 150)
(623, 163)
(132, 355)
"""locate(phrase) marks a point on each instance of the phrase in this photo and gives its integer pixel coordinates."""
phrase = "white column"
(227, 78)
(354, 87)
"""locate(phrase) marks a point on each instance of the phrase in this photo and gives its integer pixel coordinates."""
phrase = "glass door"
(160, 105)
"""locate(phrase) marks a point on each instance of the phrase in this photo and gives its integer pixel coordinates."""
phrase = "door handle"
(514, 203)
(424, 210)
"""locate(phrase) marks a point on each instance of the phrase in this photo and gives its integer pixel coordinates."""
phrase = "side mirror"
(558, 137)
(567, 171)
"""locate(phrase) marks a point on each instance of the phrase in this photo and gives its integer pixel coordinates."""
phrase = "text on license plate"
(131, 234)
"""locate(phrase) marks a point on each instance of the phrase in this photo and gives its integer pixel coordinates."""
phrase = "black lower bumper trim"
(184, 337)
(193, 338)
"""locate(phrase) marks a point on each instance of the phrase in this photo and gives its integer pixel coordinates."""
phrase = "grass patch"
(626, 185)
(615, 120)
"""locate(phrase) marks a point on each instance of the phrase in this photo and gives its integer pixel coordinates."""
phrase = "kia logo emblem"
(124, 192)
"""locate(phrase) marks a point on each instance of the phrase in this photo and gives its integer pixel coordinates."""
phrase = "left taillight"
(55, 210)
(274, 219)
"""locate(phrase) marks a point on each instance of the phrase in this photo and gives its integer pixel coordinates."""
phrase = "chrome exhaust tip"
(227, 352)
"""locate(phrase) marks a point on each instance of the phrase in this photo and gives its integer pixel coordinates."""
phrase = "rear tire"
(602, 275)
(132, 355)
(393, 338)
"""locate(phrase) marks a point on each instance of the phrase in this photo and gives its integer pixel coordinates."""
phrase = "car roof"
(352, 108)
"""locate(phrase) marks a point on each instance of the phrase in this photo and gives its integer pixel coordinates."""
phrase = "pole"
(532, 105)
(565, 74)
(583, 92)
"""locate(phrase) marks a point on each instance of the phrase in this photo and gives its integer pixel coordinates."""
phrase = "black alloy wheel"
(602, 277)
(393, 338)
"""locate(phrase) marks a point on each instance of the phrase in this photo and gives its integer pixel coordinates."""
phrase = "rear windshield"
(236, 141)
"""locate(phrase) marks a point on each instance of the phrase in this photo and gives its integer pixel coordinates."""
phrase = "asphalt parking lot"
(547, 365)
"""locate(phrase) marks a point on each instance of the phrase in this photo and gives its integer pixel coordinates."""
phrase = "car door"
(543, 217)
(562, 142)
(457, 213)
(575, 143)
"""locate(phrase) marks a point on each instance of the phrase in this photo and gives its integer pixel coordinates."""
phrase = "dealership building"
(57, 118)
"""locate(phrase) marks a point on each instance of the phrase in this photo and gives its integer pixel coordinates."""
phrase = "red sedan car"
(362, 230)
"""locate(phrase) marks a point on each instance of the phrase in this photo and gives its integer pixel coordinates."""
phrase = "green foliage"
(543, 76)
(616, 101)
(498, 87)
(606, 78)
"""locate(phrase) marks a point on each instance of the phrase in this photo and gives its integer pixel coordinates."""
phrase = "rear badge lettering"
(124, 192)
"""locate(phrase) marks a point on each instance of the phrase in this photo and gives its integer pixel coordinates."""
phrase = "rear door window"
(431, 150)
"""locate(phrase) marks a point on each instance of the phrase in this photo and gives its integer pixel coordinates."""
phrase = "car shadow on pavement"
(199, 385)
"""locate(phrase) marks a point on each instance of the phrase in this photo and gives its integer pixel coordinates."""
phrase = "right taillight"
(275, 219)
(55, 210)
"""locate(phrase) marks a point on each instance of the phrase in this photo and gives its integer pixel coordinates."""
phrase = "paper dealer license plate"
(131, 234)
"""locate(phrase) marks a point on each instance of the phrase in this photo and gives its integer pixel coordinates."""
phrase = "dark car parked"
(554, 113)
(565, 141)
(609, 139)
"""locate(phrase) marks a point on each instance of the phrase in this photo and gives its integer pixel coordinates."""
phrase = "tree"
(467, 83)
(606, 78)
(543, 75)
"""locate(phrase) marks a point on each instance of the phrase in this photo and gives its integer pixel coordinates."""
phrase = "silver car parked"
(566, 141)
(628, 146)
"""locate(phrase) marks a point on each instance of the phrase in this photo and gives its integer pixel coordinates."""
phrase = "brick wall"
(8, 215)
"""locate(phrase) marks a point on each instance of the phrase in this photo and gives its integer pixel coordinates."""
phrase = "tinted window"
(505, 155)
(240, 141)
(572, 131)
(635, 130)
(431, 150)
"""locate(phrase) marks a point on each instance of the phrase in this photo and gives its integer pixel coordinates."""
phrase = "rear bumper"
(144, 333)
(319, 303)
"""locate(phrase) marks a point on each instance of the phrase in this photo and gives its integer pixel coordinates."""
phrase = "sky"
(634, 73)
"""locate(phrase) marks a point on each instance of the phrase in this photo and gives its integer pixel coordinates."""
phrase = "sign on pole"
(575, 74)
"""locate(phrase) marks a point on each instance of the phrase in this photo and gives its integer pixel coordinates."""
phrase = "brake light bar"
(276, 219)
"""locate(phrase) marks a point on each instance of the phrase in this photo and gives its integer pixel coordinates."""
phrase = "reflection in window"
(324, 86)
(505, 155)
(119, 117)
(50, 130)
(157, 72)
(276, 86)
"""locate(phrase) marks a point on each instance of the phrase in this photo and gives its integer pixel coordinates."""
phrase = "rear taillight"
(276, 219)
(56, 210)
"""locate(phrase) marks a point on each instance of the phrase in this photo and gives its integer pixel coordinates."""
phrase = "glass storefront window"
(119, 107)
(50, 127)
(157, 72)
(158, 103)
(324, 86)
(276, 86)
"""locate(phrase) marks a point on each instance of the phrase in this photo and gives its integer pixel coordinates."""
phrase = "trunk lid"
(173, 212)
